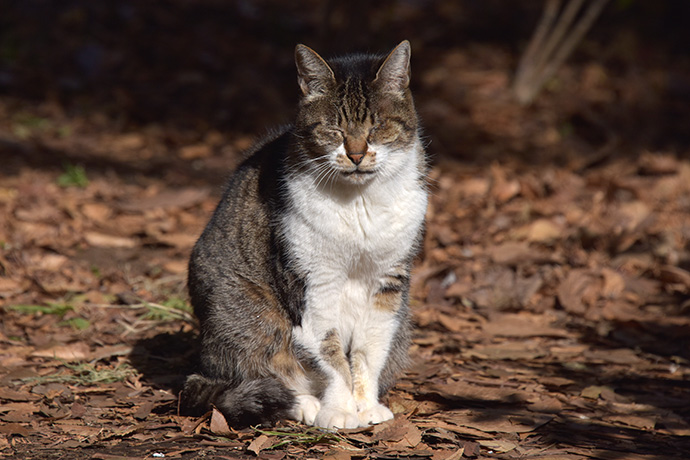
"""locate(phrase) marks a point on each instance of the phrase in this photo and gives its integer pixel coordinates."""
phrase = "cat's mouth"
(359, 176)
(358, 172)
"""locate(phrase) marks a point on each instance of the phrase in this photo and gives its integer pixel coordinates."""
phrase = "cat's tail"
(245, 404)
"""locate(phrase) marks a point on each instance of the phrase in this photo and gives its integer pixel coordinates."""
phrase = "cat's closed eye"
(329, 134)
(384, 132)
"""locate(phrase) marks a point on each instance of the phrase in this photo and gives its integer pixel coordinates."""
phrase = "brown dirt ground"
(551, 296)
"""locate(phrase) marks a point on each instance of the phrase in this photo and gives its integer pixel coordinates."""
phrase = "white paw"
(330, 417)
(306, 408)
(377, 414)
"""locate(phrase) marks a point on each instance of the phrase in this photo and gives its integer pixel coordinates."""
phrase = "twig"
(528, 62)
(181, 314)
(575, 36)
(552, 42)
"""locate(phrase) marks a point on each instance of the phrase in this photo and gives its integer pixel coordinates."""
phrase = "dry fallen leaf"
(9, 429)
(516, 252)
(542, 231)
(500, 421)
(102, 240)
(9, 286)
(658, 163)
(503, 189)
(498, 445)
(578, 291)
(176, 266)
(98, 212)
(637, 421)
(259, 443)
(592, 391)
(179, 198)
(512, 350)
(614, 283)
(545, 404)
(218, 424)
(77, 351)
(195, 151)
(523, 324)
(449, 454)
(630, 215)
(618, 356)
(337, 454)
(390, 430)
(472, 392)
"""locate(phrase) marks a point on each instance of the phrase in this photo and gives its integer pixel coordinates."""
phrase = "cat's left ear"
(394, 73)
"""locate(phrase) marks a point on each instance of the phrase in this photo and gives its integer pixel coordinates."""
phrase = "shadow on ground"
(166, 359)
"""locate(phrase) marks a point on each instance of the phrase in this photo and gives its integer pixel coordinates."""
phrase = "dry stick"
(580, 29)
(545, 54)
(560, 30)
(526, 69)
(173, 311)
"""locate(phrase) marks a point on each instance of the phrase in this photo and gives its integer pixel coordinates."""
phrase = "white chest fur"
(354, 232)
(345, 241)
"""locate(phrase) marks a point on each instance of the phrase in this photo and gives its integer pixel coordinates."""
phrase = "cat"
(300, 280)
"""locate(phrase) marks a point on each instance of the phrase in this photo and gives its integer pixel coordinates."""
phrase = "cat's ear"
(394, 73)
(313, 74)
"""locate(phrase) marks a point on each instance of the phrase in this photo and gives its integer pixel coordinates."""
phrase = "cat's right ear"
(313, 74)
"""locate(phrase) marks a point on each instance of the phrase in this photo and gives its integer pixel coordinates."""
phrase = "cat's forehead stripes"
(354, 101)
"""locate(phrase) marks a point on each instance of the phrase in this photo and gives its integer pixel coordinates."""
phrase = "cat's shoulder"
(274, 142)
(262, 161)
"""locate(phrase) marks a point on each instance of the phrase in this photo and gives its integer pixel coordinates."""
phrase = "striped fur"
(300, 278)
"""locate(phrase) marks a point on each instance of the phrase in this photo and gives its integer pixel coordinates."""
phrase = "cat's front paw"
(329, 417)
(373, 415)
(306, 409)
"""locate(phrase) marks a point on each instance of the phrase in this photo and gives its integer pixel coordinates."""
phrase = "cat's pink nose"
(356, 158)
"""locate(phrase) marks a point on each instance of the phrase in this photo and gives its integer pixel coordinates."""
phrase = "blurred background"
(213, 74)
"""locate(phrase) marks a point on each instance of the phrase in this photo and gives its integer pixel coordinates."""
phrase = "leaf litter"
(550, 297)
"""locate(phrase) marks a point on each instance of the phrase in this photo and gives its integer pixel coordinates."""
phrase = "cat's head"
(356, 118)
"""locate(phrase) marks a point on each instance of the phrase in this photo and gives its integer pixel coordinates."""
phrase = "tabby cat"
(300, 280)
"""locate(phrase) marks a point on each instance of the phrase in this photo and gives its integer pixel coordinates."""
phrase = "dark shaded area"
(194, 66)
(617, 440)
(175, 171)
(652, 395)
(166, 359)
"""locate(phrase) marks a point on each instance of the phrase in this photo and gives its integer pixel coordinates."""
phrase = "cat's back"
(237, 239)
(253, 188)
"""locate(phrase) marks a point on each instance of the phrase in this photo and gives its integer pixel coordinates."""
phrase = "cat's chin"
(357, 176)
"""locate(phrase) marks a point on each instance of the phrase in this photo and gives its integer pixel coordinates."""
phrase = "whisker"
(323, 172)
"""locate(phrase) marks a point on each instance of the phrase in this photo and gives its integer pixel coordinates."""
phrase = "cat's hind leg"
(244, 403)
(247, 363)
(306, 404)
(306, 409)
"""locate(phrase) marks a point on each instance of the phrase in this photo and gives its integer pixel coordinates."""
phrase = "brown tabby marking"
(360, 383)
(333, 353)
(285, 363)
(388, 300)
(390, 295)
